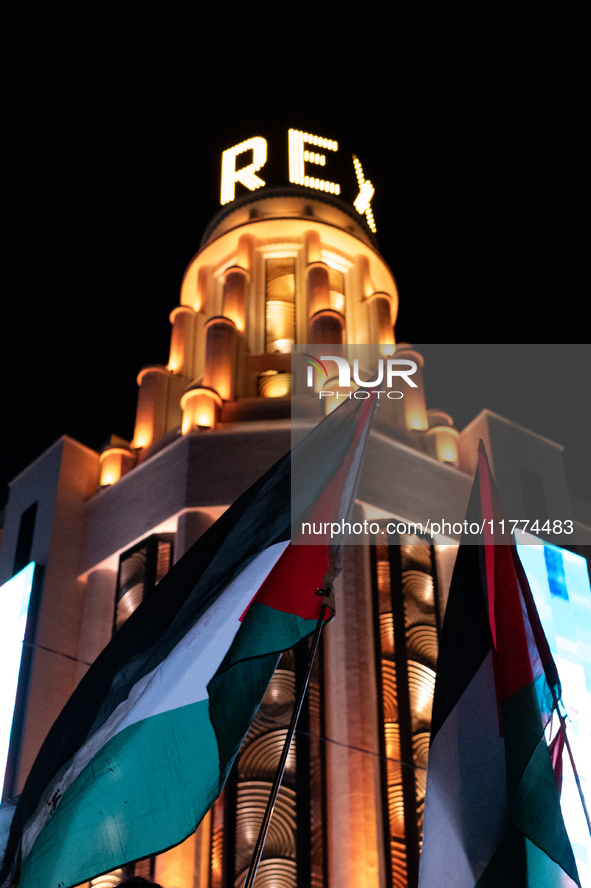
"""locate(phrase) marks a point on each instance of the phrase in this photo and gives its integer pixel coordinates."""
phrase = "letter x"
(366, 192)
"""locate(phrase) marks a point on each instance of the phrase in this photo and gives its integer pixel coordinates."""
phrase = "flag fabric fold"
(492, 809)
(144, 745)
(556, 753)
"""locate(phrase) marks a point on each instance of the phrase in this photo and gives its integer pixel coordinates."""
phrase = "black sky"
(470, 123)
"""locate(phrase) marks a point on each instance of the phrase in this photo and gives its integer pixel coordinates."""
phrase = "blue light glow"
(559, 582)
(15, 595)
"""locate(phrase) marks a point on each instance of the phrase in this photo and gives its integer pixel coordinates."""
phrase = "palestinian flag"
(144, 745)
(492, 810)
(556, 753)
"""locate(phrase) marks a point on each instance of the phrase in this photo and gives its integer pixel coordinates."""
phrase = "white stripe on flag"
(466, 801)
(181, 679)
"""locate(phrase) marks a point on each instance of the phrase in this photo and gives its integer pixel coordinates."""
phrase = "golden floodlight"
(235, 287)
(280, 317)
(274, 385)
(182, 339)
(114, 463)
(200, 406)
(447, 444)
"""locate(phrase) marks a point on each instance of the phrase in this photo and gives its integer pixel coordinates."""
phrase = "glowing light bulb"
(366, 192)
(245, 175)
(298, 157)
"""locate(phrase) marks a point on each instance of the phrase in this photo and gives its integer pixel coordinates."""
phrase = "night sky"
(471, 126)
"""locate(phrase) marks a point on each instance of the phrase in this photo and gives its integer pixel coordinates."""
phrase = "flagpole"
(574, 767)
(327, 603)
(562, 723)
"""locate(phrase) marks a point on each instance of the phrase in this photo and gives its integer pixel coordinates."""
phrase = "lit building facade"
(279, 265)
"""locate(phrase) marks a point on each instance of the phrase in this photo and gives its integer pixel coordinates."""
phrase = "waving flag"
(556, 752)
(492, 810)
(145, 743)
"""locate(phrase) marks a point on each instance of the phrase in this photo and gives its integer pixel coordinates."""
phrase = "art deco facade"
(275, 267)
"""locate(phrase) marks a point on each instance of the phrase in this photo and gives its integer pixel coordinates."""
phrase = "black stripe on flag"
(464, 642)
(260, 518)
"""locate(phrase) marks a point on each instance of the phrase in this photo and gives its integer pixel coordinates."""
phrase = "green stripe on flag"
(144, 791)
(534, 802)
(265, 630)
(237, 689)
(518, 863)
(235, 696)
(522, 728)
(543, 872)
(508, 868)
(535, 852)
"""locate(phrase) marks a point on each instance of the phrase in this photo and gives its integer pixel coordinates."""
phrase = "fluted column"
(203, 288)
(221, 339)
(352, 758)
(236, 281)
(313, 247)
(326, 326)
(381, 328)
(182, 341)
(246, 244)
(415, 408)
(152, 405)
(318, 288)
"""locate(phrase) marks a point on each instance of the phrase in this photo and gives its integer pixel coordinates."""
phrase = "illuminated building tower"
(286, 261)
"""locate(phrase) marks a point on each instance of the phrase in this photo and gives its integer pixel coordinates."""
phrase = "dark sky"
(469, 123)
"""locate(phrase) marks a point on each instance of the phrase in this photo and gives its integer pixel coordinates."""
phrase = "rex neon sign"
(306, 153)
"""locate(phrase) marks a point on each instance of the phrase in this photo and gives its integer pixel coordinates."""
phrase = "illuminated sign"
(559, 582)
(15, 595)
(366, 192)
(246, 174)
(298, 158)
(307, 156)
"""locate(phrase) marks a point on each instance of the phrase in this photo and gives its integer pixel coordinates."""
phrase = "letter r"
(245, 175)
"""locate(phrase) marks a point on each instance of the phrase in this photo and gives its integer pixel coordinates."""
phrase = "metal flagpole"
(574, 767)
(562, 723)
(327, 603)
